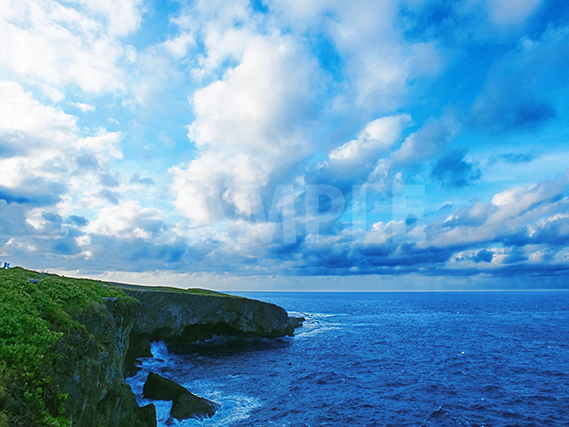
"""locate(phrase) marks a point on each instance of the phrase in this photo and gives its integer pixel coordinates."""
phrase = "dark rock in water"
(113, 326)
(296, 322)
(185, 404)
(160, 388)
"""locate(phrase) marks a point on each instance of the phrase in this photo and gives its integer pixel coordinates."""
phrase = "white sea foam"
(317, 323)
(314, 332)
(159, 350)
(233, 407)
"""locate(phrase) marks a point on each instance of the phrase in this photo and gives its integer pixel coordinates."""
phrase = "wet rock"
(185, 404)
(160, 388)
(296, 322)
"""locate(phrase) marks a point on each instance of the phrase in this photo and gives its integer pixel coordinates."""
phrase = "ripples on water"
(387, 359)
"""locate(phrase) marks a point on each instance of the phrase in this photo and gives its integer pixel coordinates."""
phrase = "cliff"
(179, 317)
(66, 344)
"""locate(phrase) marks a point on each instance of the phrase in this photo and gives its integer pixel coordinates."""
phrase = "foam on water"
(159, 350)
(234, 407)
(316, 323)
(441, 359)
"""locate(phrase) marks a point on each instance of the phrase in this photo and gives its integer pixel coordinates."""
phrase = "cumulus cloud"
(248, 126)
(49, 169)
(376, 139)
(376, 62)
(515, 216)
(278, 93)
(32, 136)
(127, 220)
(521, 225)
(68, 43)
(428, 141)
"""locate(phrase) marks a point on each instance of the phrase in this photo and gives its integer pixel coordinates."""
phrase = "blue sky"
(187, 142)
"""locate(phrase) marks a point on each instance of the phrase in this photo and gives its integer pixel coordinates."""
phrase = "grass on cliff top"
(192, 291)
(33, 318)
(37, 311)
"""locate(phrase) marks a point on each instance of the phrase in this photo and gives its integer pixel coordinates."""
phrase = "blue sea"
(386, 359)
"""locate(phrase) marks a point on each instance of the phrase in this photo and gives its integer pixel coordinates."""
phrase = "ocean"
(385, 359)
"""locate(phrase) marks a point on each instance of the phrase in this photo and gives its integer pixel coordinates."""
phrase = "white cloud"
(32, 135)
(427, 142)
(122, 17)
(514, 201)
(259, 104)
(512, 211)
(248, 126)
(178, 46)
(59, 44)
(379, 180)
(225, 28)
(377, 138)
(85, 108)
(46, 160)
(376, 61)
(127, 220)
(52, 93)
(103, 145)
(19, 112)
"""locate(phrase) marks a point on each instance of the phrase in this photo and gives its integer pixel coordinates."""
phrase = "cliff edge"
(66, 344)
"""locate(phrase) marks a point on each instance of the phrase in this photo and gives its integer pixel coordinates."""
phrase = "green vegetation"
(38, 326)
(192, 291)
(55, 329)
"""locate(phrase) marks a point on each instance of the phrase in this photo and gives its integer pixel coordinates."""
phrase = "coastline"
(97, 331)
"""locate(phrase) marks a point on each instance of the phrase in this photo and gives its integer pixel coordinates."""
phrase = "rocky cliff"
(97, 330)
(181, 317)
(90, 367)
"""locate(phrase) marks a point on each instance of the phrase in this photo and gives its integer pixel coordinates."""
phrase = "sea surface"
(386, 359)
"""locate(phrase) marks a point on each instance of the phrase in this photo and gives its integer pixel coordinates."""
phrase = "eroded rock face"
(90, 368)
(297, 322)
(191, 317)
(181, 317)
(94, 369)
(185, 404)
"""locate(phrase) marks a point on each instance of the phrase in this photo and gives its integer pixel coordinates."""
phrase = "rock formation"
(100, 330)
(158, 314)
(185, 404)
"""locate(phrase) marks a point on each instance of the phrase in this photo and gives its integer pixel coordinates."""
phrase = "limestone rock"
(296, 322)
(160, 388)
(185, 404)
(177, 316)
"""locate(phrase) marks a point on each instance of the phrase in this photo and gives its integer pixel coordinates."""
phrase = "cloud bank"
(411, 139)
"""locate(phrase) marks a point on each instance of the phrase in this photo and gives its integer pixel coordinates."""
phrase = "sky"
(287, 144)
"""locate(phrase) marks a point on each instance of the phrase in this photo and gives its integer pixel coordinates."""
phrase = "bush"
(36, 318)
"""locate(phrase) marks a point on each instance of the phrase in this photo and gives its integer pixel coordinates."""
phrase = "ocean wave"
(233, 409)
